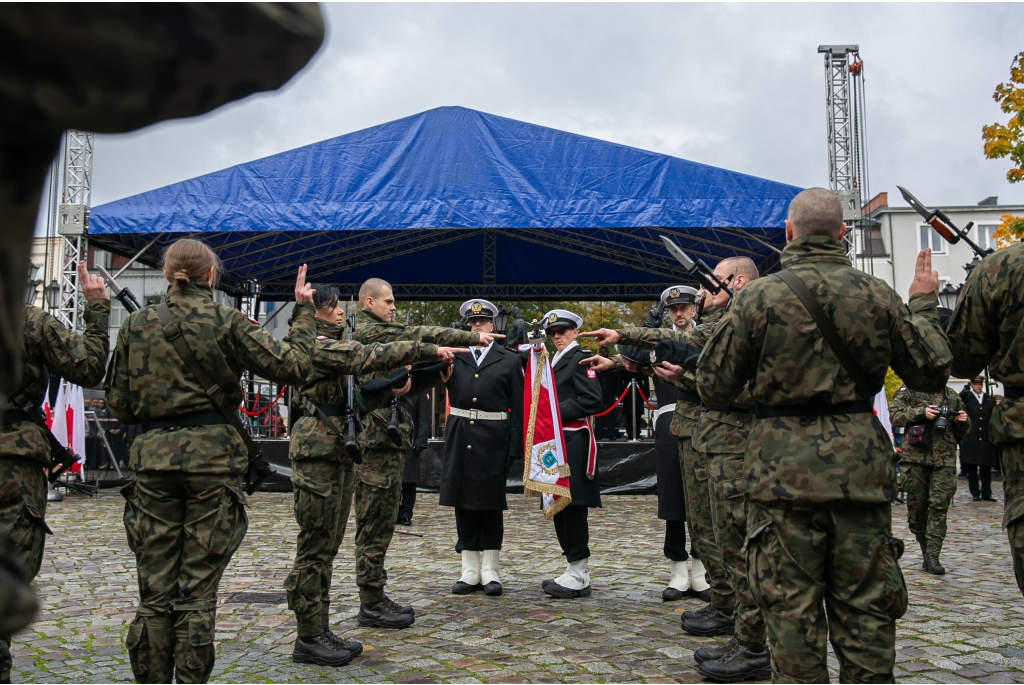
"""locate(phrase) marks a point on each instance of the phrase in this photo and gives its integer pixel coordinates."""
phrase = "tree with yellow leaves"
(1008, 141)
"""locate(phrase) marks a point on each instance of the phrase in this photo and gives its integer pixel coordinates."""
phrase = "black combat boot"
(349, 645)
(717, 622)
(398, 608)
(381, 615)
(698, 614)
(747, 661)
(932, 565)
(713, 653)
(320, 650)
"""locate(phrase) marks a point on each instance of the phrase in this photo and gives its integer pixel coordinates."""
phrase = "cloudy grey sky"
(735, 86)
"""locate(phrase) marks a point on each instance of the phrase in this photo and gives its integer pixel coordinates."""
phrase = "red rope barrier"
(614, 404)
(644, 398)
(245, 411)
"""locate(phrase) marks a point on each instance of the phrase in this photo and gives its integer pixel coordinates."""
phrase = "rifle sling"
(173, 335)
(58, 453)
(828, 331)
(320, 414)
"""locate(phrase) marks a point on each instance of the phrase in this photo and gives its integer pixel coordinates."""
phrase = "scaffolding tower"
(847, 144)
(70, 196)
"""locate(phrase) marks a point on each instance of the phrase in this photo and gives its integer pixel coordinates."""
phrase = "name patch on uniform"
(591, 374)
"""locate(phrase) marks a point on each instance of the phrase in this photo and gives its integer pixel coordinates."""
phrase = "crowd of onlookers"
(99, 423)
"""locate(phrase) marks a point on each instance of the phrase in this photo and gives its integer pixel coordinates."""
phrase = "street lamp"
(501, 320)
(948, 295)
(52, 293)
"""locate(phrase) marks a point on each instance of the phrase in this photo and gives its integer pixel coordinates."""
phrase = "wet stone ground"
(967, 626)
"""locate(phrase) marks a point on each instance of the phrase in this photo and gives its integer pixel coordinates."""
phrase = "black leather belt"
(812, 411)
(332, 409)
(731, 408)
(1008, 393)
(13, 416)
(687, 396)
(207, 417)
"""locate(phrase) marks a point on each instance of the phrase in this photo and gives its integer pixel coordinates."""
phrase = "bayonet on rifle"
(704, 274)
(123, 295)
(942, 224)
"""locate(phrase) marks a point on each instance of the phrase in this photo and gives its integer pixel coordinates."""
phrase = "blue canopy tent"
(454, 203)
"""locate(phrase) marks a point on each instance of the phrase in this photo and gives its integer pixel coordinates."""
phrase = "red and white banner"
(545, 470)
(69, 421)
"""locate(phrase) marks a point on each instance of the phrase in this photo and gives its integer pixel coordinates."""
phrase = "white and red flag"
(545, 470)
(69, 421)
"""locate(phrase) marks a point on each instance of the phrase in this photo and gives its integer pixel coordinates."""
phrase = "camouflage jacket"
(718, 431)
(148, 380)
(907, 409)
(769, 337)
(987, 329)
(333, 359)
(49, 346)
(370, 329)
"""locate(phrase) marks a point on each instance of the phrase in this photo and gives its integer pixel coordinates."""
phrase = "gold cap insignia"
(476, 307)
(674, 292)
(553, 318)
(653, 360)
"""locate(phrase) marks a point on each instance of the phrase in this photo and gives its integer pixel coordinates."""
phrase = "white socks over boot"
(576, 576)
(491, 570)
(470, 567)
(698, 576)
(680, 576)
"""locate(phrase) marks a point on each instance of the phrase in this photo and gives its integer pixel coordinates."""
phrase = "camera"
(941, 422)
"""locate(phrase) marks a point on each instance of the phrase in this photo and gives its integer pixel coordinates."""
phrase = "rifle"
(61, 458)
(943, 226)
(700, 306)
(123, 295)
(703, 273)
(352, 418)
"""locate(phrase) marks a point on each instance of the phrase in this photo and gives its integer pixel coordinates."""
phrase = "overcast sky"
(736, 86)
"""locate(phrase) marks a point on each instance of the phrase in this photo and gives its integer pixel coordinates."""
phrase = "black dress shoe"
(461, 588)
(989, 498)
(716, 623)
(349, 645)
(747, 661)
(561, 592)
(380, 615)
(670, 594)
(320, 650)
(932, 565)
(492, 588)
(702, 595)
(404, 519)
(977, 498)
(713, 653)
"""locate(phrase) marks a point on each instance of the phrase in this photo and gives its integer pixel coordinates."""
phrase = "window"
(986, 241)
(118, 314)
(927, 237)
(871, 243)
(154, 299)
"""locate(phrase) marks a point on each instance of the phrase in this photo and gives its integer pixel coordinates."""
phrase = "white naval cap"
(478, 309)
(561, 317)
(679, 294)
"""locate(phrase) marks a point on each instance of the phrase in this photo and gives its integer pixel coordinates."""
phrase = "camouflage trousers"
(322, 490)
(729, 511)
(378, 493)
(831, 572)
(22, 506)
(929, 493)
(1012, 464)
(184, 529)
(700, 519)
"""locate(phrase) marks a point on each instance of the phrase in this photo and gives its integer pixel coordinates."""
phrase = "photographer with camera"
(935, 424)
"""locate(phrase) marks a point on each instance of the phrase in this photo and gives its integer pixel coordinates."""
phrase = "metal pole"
(632, 409)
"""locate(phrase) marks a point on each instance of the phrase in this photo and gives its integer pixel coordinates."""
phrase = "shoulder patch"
(902, 389)
(252, 320)
(321, 337)
(591, 374)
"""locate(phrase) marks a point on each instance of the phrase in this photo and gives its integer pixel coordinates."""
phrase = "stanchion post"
(632, 409)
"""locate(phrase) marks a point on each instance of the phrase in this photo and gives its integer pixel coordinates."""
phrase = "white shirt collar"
(980, 396)
(482, 351)
(559, 355)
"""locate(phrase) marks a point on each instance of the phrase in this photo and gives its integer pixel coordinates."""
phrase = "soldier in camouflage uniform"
(985, 331)
(24, 449)
(821, 558)
(323, 475)
(379, 478)
(929, 470)
(185, 513)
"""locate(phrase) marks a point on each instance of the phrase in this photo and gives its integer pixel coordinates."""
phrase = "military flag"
(545, 471)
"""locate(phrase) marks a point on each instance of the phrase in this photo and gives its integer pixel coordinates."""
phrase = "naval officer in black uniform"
(483, 437)
(579, 397)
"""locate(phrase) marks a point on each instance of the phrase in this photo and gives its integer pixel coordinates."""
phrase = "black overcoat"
(476, 452)
(671, 497)
(975, 447)
(579, 396)
(421, 435)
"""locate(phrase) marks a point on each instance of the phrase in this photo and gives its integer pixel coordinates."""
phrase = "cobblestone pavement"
(967, 626)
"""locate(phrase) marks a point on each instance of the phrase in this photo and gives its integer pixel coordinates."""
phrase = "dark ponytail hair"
(326, 296)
